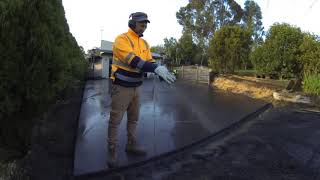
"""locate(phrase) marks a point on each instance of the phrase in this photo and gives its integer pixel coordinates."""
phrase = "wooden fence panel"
(194, 73)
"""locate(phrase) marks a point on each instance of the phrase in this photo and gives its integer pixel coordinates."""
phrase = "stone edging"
(295, 97)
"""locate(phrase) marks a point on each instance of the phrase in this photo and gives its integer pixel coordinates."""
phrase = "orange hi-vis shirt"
(131, 57)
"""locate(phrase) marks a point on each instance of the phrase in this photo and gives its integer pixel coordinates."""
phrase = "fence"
(199, 74)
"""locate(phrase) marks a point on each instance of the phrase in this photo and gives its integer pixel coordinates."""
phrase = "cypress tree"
(40, 62)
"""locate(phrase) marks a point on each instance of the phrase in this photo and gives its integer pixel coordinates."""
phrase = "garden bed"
(250, 86)
(266, 89)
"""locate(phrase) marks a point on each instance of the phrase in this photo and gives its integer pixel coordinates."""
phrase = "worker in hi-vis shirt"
(131, 58)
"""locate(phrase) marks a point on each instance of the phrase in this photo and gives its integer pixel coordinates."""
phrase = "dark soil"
(52, 153)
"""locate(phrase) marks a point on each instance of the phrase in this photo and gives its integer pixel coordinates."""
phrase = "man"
(131, 58)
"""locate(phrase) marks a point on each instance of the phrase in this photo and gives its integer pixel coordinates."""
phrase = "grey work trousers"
(124, 99)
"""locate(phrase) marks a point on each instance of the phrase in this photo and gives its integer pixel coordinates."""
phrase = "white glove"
(163, 72)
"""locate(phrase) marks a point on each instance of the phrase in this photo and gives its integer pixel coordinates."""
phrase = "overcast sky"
(93, 20)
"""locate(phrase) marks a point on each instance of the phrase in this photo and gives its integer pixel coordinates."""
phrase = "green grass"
(311, 84)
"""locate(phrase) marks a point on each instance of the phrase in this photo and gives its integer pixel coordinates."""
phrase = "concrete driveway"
(171, 117)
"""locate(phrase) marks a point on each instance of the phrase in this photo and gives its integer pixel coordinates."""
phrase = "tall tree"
(229, 49)
(252, 19)
(40, 62)
(187, 49)
(197, 18)
(201, 18)
(228, 12)
(170, 46)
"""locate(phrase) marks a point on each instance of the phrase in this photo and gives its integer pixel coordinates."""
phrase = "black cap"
(139, 17)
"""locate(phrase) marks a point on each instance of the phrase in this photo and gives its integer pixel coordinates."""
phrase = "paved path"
(171, 117)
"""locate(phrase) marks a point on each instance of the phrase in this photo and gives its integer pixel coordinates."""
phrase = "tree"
(310, 64)
(310, 55)
(198, 20)
(228, 12)
(258, 58)
(279, 54)
(201, 18)
(252, 19)
(170, 46)
(229, 49)
(186, 49)
(158, 49)
(40, 63)
(83, 53)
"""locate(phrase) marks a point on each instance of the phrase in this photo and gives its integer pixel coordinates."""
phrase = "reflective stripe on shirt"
(121, 64)
(126, 78)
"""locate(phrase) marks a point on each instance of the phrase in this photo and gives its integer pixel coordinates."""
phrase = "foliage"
(197, 19)
(311, 84)
(186, 50)
(229, 49)
(279, 54)
(309, 60)
(310, 55)
(252, 19)
(259, 60)
(227, 12)
(158, 49)
(201, 19)
(40, 62)
(170, 47)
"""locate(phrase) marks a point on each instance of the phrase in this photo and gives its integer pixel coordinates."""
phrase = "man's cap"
(139, 17)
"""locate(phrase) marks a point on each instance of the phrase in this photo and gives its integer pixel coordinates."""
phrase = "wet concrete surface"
(280, 144)
(170, 117)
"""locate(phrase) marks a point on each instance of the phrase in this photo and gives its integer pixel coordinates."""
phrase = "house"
(106, 53)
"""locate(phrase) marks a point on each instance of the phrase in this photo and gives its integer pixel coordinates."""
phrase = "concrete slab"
(171, 117)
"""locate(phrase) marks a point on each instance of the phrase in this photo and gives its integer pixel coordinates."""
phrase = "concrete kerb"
(83, 86)
(213, 137)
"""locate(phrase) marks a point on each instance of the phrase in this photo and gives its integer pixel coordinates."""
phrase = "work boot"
(112, 157)
(133, 148)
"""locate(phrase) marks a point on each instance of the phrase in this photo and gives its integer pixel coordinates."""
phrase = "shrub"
(40, 62)
(279, 54)
(310, 55)
(311, 84)
(229, 49)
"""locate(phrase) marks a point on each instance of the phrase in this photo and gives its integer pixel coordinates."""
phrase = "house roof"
(106, 45)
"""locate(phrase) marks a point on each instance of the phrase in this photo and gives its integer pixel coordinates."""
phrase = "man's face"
(140, 27)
